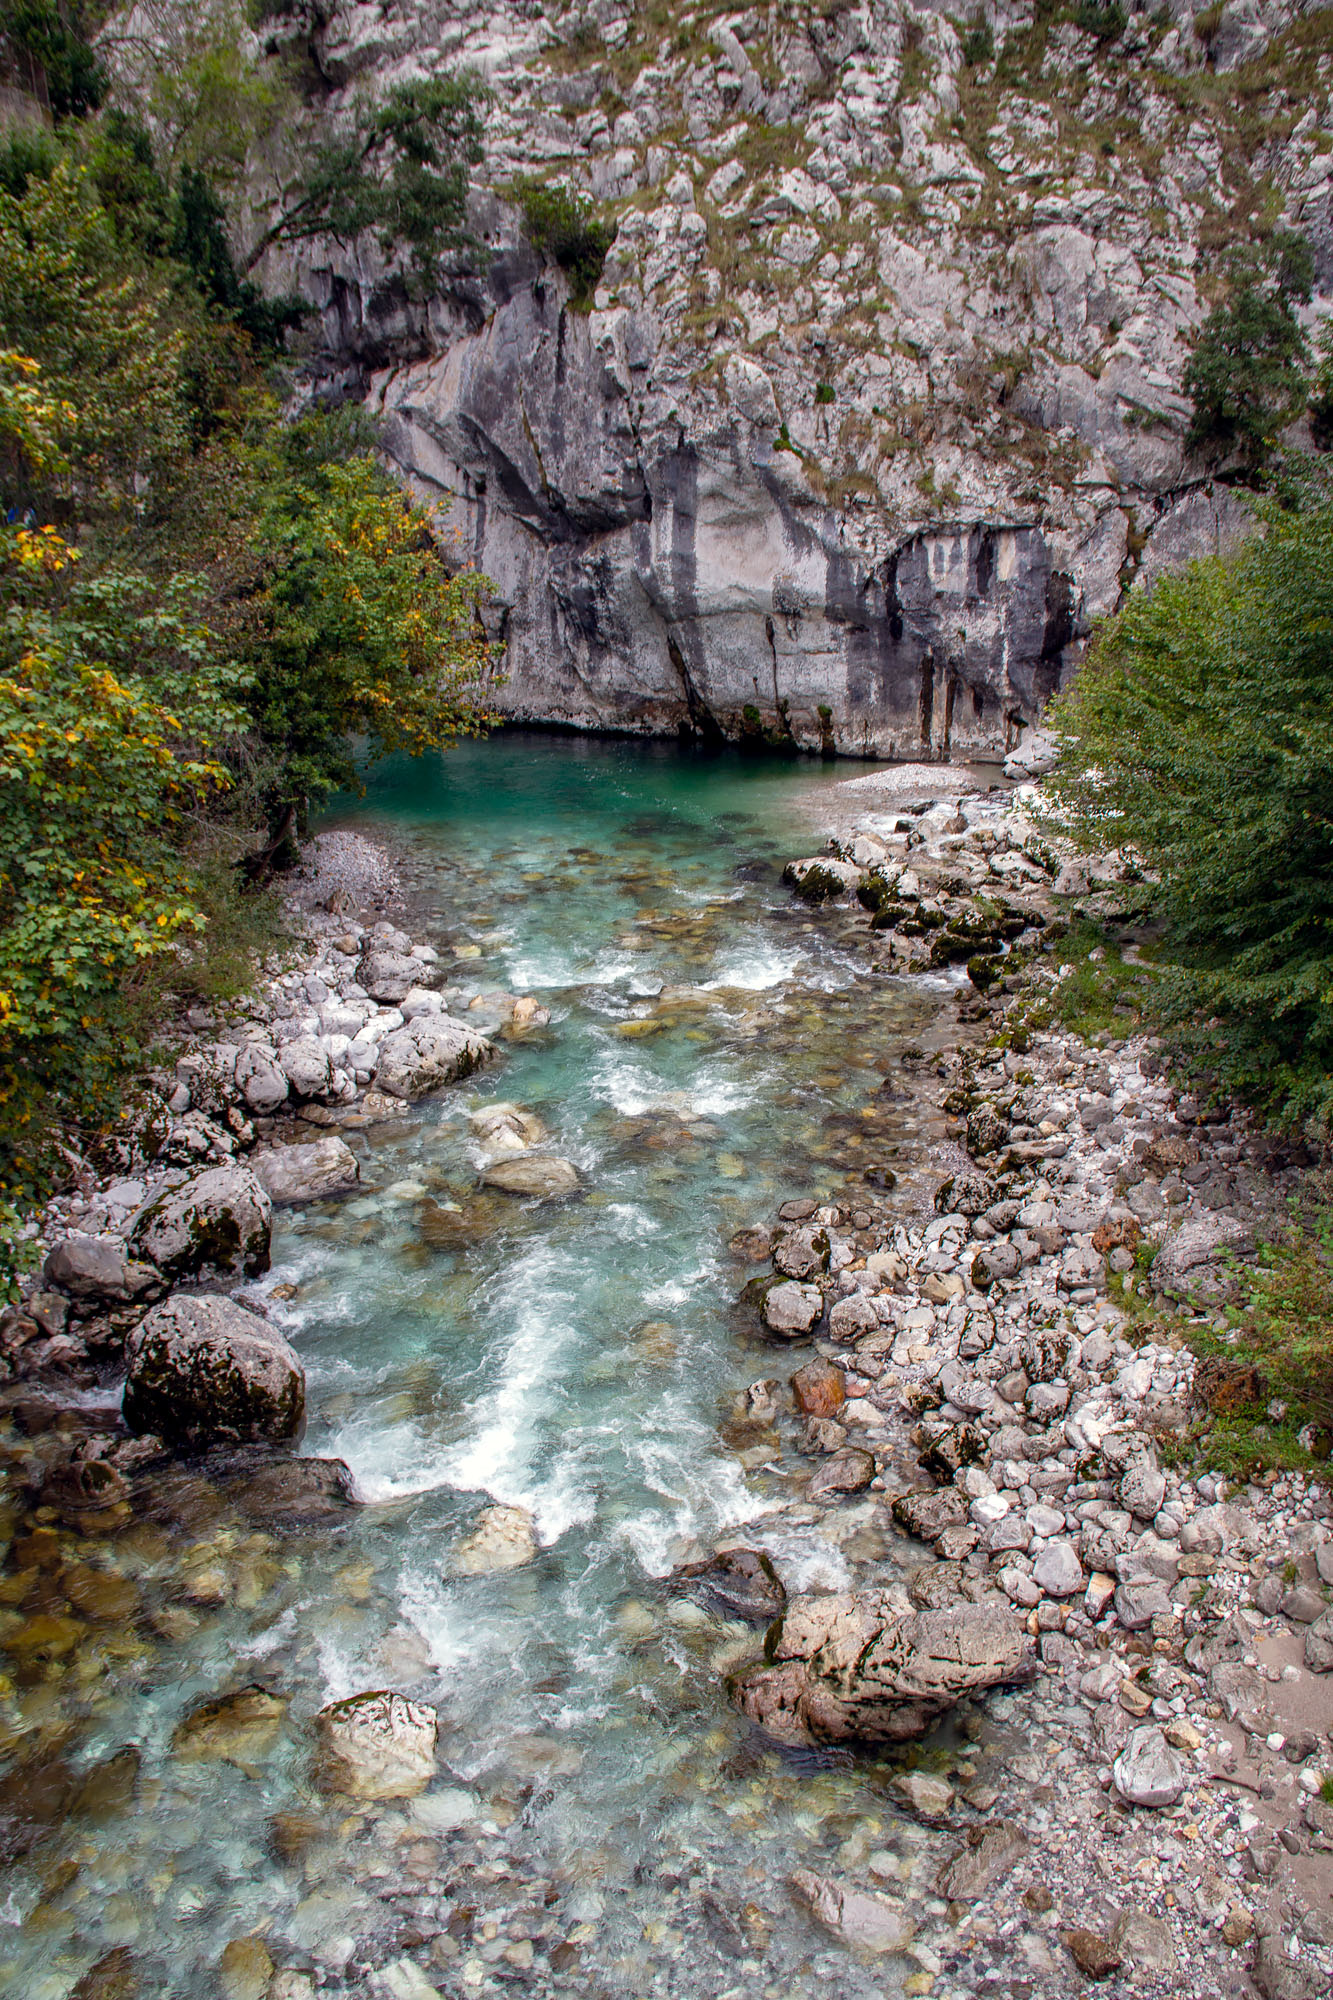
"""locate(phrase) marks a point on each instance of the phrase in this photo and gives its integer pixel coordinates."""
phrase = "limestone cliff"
(879, 402)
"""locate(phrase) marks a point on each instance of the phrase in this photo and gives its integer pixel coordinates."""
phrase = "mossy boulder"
(217, 1221)
(204, 1371)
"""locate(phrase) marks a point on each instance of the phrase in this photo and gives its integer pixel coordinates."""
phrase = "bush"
(978, 45)
(1246, 377)
(563, 226)
(1106, 22)
(1199, 734)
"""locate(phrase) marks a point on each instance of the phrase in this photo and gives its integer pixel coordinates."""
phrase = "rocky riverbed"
(1037, 1704)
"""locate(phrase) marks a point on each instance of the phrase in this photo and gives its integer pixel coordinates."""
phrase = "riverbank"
(1014, 1360)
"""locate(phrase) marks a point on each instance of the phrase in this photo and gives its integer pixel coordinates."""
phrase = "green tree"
(354, 627)
(49, 42)
(1246, 377)
(1199, 735)
(399, 174)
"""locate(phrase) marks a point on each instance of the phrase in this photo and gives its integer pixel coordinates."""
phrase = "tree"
(1199, 734)
(399, 173)
(1246, 377)
(354, 626)
(564, 226)
(48, 39)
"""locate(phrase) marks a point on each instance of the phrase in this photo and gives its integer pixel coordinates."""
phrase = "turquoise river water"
(604, 1823)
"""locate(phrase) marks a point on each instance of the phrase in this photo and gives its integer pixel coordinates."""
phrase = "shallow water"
(575, 1359)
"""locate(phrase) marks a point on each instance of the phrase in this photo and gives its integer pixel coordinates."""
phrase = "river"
(604, 1823)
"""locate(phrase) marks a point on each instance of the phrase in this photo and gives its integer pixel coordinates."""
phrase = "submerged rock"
(295, 1491)
(541, 1177)
(378, 1745)
(218, 1221)
(306, 1173)
(203, 1370)
(504, 1538)
(737, 1583)
(849, 1667)
(241, 1728)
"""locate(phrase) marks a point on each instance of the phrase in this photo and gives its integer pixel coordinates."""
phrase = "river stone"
(1319, 1644)
(990, 1853)
(1148, 1772)
(1144, 1941)
(737, 1583)
(389, 976)
(857, 1916)
(539, 1176)
(245, 1969)
(219, 1220)
(99, 1268)
(1143, 1487)
(927, 1515)
(850, 1667)
(791, 1310)
(849, 1471)
(504, 1538)
(295, 1491)
(261, 1078)
(852, 1317)
(307, 1066)
(820, 1388)
(241, 1728)
(306, 1173)
(203, 1370)
(802, 1253)
(427, 1054)
(378, 1745)
(1141, 1600)
(1279, 1977)
(114, 1976)
(1094, 1957)
(1057, 1570)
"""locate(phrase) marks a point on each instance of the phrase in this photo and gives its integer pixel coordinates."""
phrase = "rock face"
(427, 1054)
(305, 1173)
(849, 1668)
(813, 465)
(203, 1370)
(377, 1746)
(217, 1221)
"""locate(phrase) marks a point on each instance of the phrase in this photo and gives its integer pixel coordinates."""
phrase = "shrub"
(1246, 376)
(563, 225)
(1199, 734)
(824, 392)
(978, 45)
(1105, 21)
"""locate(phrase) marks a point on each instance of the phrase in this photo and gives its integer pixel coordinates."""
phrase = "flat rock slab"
(857, 1916)
(982, 1863)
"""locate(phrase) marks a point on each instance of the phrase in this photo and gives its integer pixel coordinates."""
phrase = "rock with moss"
(203, 1370)
(427, 1054)
(217, 1221)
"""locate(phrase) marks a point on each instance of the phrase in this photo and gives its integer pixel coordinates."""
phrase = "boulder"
(802, 1253)
(305, 1173)
(849, 1471)
(296, 1492)
(100, 1268)
(1319, 1644)
(389, 976)
(217, 1221)
(850, 1318)
(261, 1079)
(1148, 1771)
(1192, 1262)
(377, 1746)
(203, 1370)
(927, 1515)
(504, 1538)
(850, 1667)
(427, 1054)
(736, 1583)
(308, 1067)
(540, 1176)
(791, 1310)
